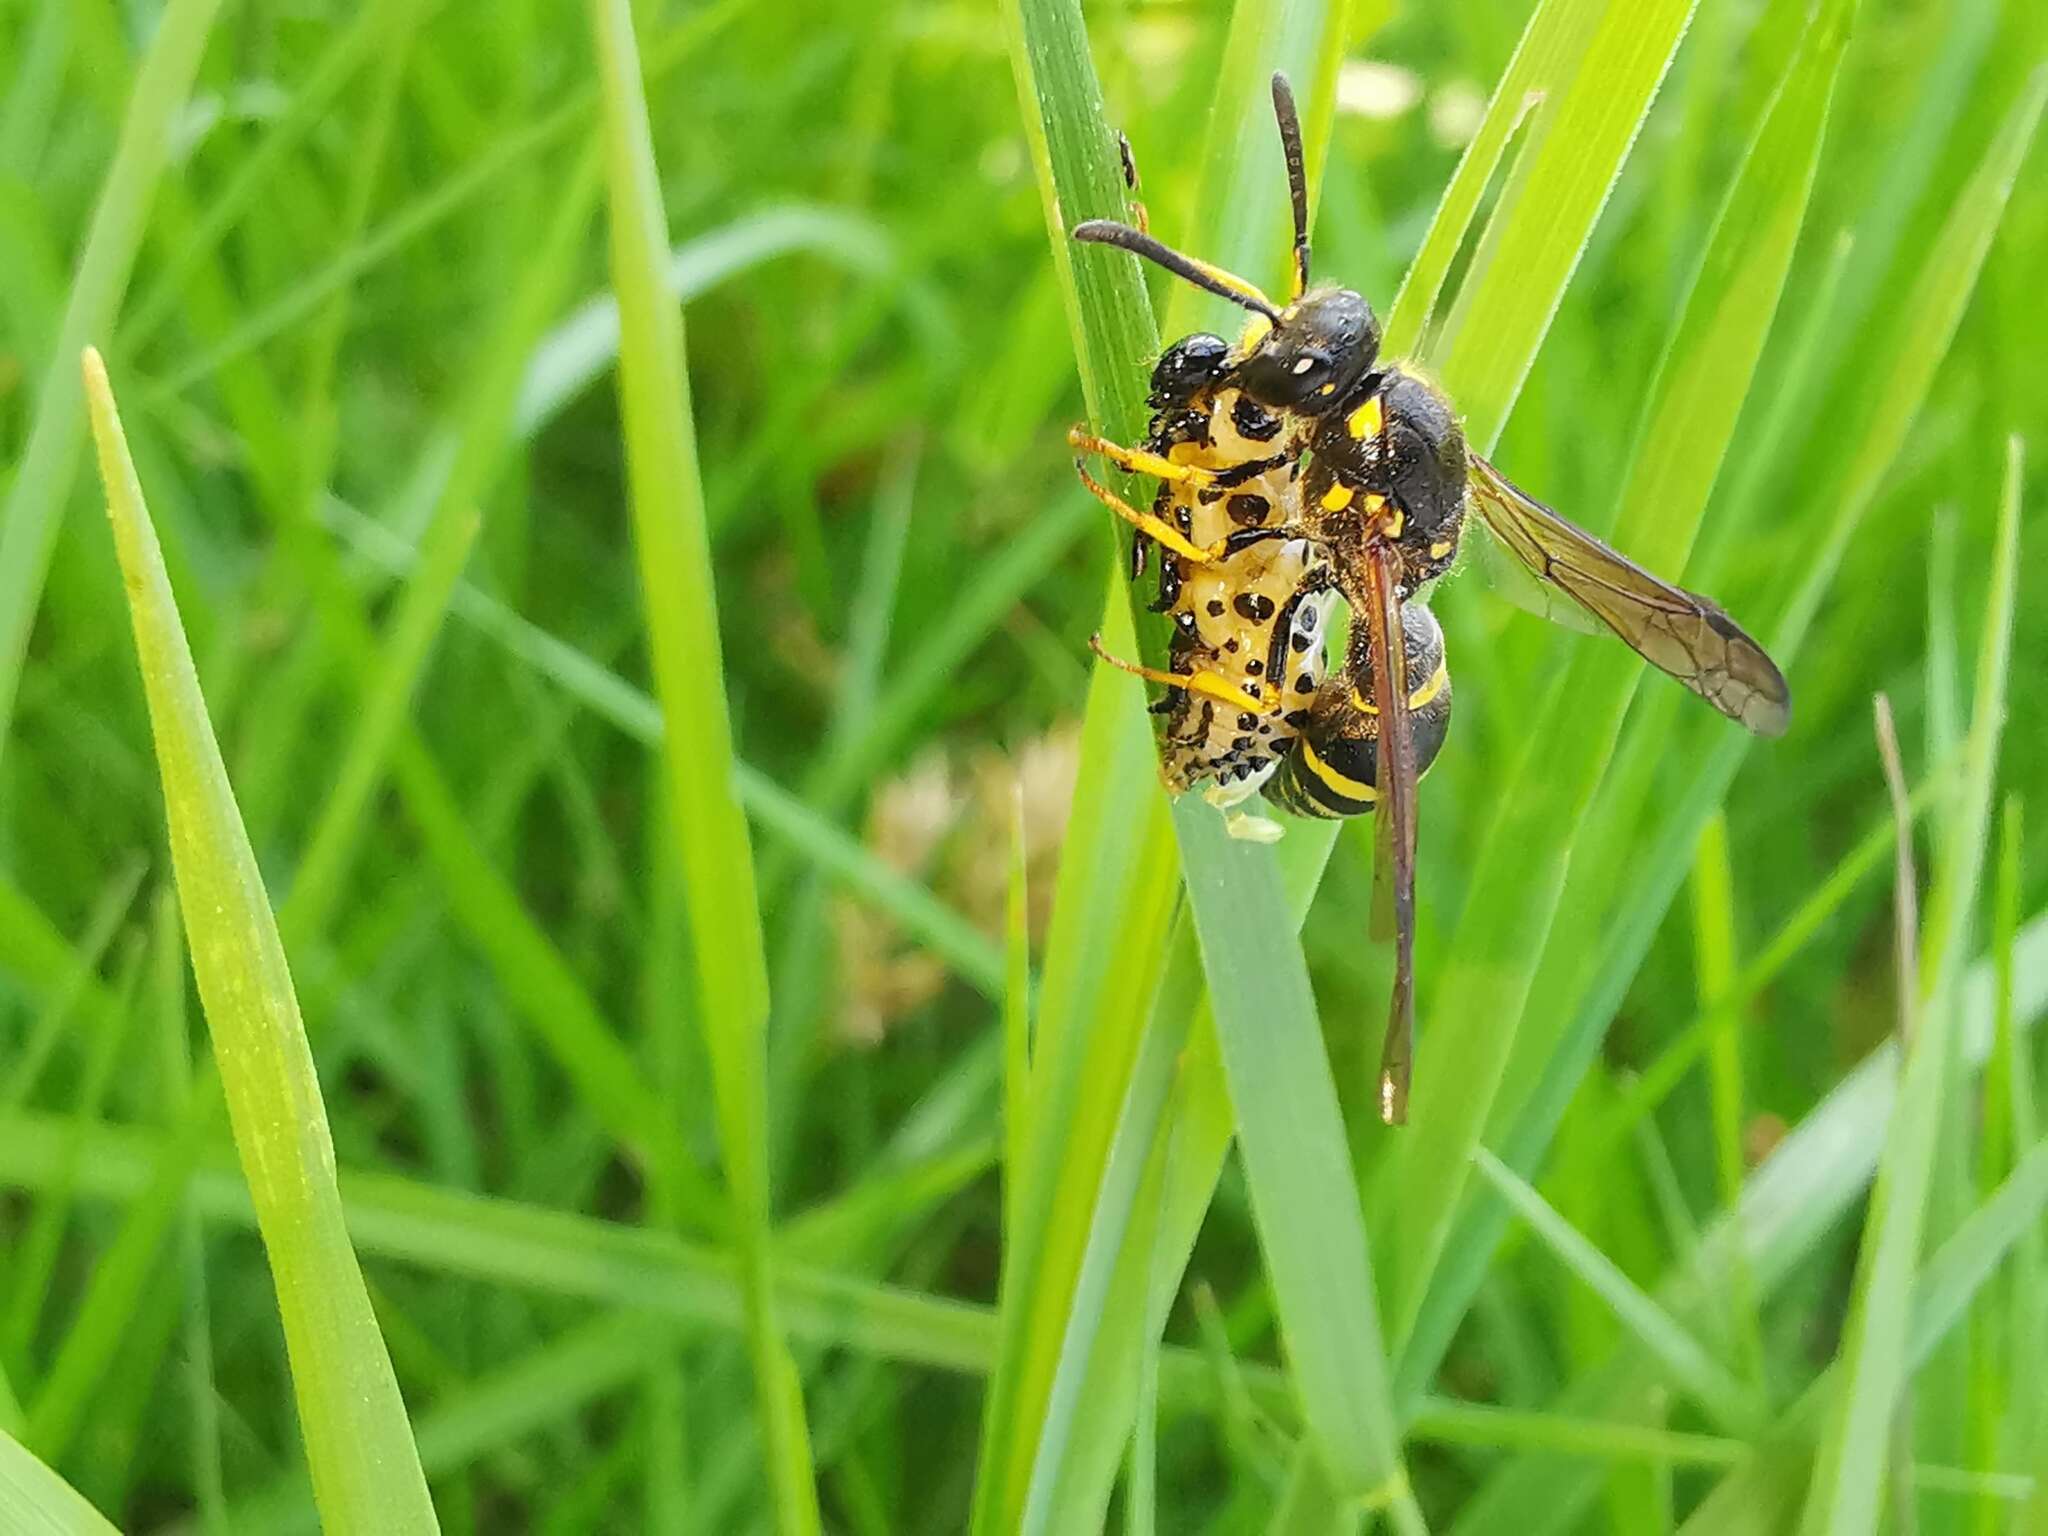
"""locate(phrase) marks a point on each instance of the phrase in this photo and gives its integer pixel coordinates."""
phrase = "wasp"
(1383, 501)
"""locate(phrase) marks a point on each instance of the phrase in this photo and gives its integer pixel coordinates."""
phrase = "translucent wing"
(1672, 629)
(1394, 818)
(1485, 556)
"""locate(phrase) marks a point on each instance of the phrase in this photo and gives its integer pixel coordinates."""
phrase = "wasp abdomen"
(1333, 770)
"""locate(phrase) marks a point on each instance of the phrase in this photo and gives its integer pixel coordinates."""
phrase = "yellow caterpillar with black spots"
(1247, 623)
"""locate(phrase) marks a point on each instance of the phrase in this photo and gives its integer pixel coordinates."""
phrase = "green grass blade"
(1298, 1157)
(43, 479)
(1709, 1383)
(1016, 999)
(717, 863)
(1113, 886)
(1936, 297)
(1533, 242)
(1691, 418)
(444, 550)
(1297, 1160)
(1850, 1477)
(365, 1469)
(1548, 51)
(34, 1501)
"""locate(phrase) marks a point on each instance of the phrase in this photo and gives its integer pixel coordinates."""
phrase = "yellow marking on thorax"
(1254, 332)
(1439, 549)
(1337, 497)
(1367, 420)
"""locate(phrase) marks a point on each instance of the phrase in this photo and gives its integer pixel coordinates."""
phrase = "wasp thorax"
(1321, 345)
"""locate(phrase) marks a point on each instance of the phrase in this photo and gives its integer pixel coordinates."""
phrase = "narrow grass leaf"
(30, 517)
(1935, 300)
(1113, 887)
(1549, 49)
(365, 1469)
(1706, 1380)
(1690, 419)
(1301, 1165)
(1849, 1479)
(34, 1501)
(1296, 1157)
(1533, 242)
(1016, 998)
(717, 862)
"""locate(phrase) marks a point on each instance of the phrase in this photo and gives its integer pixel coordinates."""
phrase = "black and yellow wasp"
(1381, 508)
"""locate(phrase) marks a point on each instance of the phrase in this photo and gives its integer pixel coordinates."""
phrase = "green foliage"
(366, 1473)
(771, 1057)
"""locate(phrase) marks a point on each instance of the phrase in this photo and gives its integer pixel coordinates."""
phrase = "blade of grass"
(1849, 1479)
(1715, 947)
(443, 552)
(1529, 93)
(1654, 868)
(1687, 427)
(1297, 1160)
(1286, 1102)
(1550, 205)
(1703, 1378)
(1016, 998)
(1109, 910)
(34, 1501)
(365, 1469)
(717, 865)
(30, 518)
(1791, 1203)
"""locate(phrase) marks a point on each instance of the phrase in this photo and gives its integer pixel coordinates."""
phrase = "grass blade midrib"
(673, 547)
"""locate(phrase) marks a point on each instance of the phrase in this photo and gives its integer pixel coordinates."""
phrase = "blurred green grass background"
(365, 362)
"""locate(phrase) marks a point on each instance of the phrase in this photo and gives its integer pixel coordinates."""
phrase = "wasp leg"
(1203, 683)
(1147, 523)
(1138, 461)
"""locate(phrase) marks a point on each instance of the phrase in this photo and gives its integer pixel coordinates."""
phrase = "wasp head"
(1314, 351)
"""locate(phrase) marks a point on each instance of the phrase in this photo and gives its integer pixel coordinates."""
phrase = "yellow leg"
(1138, 461)
(1205, 684)
(1146, 523)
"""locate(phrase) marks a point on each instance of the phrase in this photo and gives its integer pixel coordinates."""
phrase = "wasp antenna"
(1297, 175)
(1215, 280)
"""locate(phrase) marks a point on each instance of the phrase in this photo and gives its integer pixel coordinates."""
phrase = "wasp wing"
(1393, 816)
(1672, 629)
(1484, 555)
